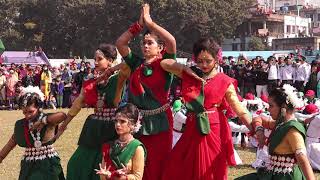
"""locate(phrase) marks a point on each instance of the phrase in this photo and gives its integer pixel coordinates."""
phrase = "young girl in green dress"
(36, 132)
(125, 157)
(287, 150)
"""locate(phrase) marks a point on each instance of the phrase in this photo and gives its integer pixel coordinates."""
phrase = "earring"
(283, 112)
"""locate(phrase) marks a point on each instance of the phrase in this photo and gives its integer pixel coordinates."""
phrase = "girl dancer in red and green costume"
(205, 149)
(104, 96)
(36, 132)
(149, 87)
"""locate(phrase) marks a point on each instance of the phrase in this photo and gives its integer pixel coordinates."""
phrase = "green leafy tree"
(257, 44)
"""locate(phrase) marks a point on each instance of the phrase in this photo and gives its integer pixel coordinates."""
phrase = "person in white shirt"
(313, 136)
(287, 72)
(302, 74)
(273, 73)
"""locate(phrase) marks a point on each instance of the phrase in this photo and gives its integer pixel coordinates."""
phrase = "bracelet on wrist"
(44, 120)
(259, 128)
(135, 29)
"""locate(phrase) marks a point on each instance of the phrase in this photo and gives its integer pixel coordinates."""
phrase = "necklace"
(36, 140)
(123, 144)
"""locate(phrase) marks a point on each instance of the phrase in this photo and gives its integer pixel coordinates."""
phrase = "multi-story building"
(268, 26)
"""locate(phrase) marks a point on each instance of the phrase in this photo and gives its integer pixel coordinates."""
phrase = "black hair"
(280, 98)
(157, 38)
(30, 99)
(130, 111)
(206, 44)
(108, 50)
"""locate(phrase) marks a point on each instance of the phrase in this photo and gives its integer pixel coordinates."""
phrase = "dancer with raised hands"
(149, 85)
(36, 132)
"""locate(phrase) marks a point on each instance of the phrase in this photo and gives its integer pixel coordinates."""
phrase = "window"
(288, 29)
(293, 29)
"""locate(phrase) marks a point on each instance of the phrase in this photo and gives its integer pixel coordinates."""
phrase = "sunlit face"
(150, 47)
(122, 124)
(101, 62)
(30, 112)
(205, 61)
(274, 109)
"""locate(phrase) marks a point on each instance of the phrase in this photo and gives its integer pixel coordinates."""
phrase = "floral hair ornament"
(28, 91)
(138, 125)
(292, 96)
(219, 55)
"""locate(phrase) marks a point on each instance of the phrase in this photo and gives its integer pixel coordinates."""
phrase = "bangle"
(135, 29)
(259, 128)
(44, 120)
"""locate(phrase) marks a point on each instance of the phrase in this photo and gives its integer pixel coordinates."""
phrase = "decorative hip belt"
(105, 114)
(281, 163)
(44, 152)
(155, 111)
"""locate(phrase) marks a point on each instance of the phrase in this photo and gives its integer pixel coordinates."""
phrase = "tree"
(78, 26)
(256, 44)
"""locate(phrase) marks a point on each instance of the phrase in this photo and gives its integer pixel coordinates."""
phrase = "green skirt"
(296, 174)
(82, 164)
(88, 154)
(95, 132)
(47, 169)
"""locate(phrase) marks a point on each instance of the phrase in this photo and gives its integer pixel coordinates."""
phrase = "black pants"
(272, 84)
(299, 86)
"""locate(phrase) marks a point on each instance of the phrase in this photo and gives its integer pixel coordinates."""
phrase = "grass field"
(66, 145)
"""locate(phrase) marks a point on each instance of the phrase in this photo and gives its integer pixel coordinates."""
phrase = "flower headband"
(138, 125)
(30, 90)
(292, 96)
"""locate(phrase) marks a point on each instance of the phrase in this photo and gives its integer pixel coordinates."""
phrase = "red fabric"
(90, 92)
(158, 148)
(26, 134)
(204, 157)
(155, 83)
(159, 145)
(311, 108)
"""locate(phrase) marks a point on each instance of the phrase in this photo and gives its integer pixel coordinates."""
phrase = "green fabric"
(197, 106)
(133, 61)
(122, 156)
(177, 105)
(153, 124)
(275, 140)
(83, 162)
(281, 131)
(95, 132)
(47, 169)
(169, 76)
(2, 48)
(19, 134)
(269, 175)
(109, 89)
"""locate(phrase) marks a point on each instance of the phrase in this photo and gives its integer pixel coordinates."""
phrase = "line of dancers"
(134, 140)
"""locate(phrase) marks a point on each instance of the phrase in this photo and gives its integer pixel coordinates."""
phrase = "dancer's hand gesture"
(146, 15)
(141, 23)
(104, 171)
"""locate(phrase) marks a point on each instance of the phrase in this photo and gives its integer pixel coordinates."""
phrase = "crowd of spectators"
(60, 85)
